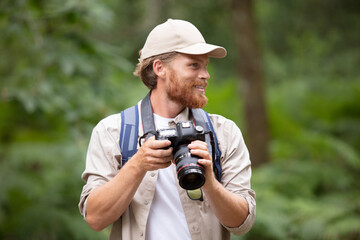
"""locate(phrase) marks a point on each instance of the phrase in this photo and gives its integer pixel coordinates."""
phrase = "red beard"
(185, 93)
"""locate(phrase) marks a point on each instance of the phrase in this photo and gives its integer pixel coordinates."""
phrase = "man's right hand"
(152, 155)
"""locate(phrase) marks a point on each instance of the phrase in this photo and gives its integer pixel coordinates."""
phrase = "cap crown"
(177, 36)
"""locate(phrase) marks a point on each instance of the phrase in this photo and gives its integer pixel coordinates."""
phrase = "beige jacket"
(103, 162)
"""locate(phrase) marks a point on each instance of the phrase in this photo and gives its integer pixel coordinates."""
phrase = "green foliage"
(311, 188)
(223, 99)
(38, 195)
(53, 64)
(56, 82)
(305, 199)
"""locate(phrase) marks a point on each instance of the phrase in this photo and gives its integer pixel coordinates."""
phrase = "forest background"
(64, 65)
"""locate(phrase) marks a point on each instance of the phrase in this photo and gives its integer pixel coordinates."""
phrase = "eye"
(194, 65)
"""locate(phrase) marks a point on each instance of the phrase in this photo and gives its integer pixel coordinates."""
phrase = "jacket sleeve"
(103, 157)
(236, 167)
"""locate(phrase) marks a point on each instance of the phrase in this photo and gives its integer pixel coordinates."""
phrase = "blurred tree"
(250, 69)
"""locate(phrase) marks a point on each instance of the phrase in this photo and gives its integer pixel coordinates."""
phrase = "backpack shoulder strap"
(202, 118)
(129, 132)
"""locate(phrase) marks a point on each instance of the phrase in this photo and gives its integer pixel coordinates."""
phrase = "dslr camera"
(189, 172)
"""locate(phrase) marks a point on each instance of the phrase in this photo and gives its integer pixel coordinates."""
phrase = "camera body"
(190, 173)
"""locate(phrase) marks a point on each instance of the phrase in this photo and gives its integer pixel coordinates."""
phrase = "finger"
(156, 164)
(161, 153)
(205, 162)
(156, 144)
(198, 144)
(201, 153)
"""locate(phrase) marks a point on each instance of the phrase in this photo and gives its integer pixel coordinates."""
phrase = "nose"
(204, 74)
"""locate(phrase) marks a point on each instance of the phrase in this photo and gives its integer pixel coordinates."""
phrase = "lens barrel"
(190, 173)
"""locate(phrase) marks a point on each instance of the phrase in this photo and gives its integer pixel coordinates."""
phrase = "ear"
(159, 68)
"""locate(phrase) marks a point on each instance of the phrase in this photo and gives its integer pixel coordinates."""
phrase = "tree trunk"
(250, 71)
(153, 13)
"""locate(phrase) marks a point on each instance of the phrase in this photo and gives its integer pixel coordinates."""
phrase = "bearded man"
(142, 198)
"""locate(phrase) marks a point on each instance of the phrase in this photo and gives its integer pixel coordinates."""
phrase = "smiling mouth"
(200, 87)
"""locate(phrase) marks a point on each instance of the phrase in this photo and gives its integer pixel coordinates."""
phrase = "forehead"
(197, 58)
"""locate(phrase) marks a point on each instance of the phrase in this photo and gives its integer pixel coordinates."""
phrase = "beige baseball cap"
(178, 36)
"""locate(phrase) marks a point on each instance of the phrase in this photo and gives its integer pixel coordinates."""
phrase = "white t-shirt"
(166, 218)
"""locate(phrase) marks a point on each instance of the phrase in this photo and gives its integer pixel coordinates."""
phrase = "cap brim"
(204, 48)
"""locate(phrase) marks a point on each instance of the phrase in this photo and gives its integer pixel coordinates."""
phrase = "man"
(142, 198)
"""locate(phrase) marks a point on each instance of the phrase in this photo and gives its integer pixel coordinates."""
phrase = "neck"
(163, 106)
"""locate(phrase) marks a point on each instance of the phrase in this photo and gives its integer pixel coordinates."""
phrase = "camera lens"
(190, 172)
(191, 179)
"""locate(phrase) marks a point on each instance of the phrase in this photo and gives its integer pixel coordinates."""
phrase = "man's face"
(187, 80)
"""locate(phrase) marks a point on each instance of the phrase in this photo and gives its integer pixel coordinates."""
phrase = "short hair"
(145, 71)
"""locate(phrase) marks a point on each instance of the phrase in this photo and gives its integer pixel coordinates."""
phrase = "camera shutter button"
(199, 128)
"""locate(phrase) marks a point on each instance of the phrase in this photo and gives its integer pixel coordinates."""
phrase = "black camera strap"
(147, 117)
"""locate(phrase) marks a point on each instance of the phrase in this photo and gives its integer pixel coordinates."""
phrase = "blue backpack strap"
(217, 149)
(129, 131)
(202, 117)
